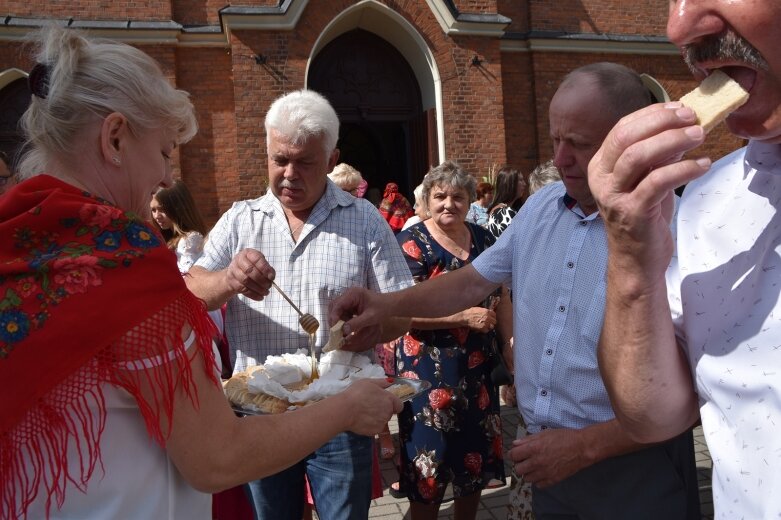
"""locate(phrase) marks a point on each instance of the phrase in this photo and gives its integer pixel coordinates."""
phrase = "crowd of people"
(621, 315)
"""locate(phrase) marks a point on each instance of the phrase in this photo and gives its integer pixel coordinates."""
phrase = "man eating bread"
(692, 326)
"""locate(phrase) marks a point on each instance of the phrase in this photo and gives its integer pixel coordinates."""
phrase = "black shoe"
(397, 493)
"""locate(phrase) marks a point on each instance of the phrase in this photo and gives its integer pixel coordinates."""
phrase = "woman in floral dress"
(451, 434)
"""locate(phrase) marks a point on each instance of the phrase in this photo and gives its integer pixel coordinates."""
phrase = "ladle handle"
(285, 296)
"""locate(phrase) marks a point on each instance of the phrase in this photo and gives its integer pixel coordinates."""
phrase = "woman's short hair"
(181, 209)
(483, 188)
(543, 174)
(81, 80)
(449, 174)
(345, 176)
(506, 187)
(301, 115)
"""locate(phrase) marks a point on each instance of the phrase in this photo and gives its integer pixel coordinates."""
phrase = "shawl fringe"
(34, 454)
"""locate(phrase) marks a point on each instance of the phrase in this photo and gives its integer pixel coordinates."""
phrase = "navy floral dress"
(453, 432)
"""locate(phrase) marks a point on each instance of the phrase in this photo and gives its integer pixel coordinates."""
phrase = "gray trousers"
(659, 482)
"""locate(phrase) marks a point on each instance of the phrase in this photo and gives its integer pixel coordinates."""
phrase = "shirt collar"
(333, 197)
(571, 204)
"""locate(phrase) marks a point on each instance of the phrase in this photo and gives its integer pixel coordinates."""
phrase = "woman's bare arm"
(215, 450)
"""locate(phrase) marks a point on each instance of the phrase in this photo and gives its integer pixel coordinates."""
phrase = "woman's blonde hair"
(81, 80)
(543, 174)
(345, 176)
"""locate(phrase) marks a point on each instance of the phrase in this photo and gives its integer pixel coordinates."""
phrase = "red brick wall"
(473, 104)
(198, 12)
(515, 10)
(476, 6)
(166, 57)
(209, 161)
(13, 56)
(90, 9)
(520, 111)
(599, 16)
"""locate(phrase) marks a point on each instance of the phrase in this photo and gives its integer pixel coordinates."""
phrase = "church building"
(415, 82)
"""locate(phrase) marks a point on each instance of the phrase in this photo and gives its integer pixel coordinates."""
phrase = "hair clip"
(38, 80)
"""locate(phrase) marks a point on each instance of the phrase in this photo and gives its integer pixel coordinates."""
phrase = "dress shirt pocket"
(591, 327)
(338, 265)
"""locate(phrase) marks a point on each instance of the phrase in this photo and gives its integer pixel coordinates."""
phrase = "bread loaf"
(716, 97)
(237, 391)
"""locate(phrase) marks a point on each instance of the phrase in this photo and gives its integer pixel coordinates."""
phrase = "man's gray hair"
(301, 115)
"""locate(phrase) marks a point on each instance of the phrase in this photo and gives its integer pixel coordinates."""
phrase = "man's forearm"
(208, 286)
(394, 327)
(608, 439)
(643, 368)
(441, 296)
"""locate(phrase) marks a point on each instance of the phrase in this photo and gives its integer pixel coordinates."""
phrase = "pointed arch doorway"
(14, 100)
(384, 132)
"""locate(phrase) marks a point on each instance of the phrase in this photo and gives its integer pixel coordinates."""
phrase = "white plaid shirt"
(344, 243)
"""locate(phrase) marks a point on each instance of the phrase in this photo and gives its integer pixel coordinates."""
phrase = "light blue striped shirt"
(344, 243)
(554, 259)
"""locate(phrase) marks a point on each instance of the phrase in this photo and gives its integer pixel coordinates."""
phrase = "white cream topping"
(338, 369)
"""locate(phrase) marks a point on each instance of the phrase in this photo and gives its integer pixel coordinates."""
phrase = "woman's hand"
(368, 406)
(479, 319)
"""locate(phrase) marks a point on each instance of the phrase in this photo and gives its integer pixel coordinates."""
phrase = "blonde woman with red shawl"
(111, 407)
(395, 207)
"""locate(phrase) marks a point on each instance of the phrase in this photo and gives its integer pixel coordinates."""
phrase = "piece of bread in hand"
(401, 390)
(717, 96)
(336, 338)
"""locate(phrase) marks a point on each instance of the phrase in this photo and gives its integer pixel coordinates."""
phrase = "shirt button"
(549, 351)
(562, 308)
(570, 264)
(543, 427)
(543, 393)
(583, 223)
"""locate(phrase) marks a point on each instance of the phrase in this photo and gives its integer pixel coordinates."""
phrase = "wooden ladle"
(308, 322)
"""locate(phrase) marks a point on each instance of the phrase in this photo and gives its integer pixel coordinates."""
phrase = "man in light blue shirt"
(554, 257)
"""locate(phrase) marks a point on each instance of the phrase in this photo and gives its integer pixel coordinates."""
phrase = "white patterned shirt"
(344, 243)
(723, 290)
(554, 259)
(189, 250)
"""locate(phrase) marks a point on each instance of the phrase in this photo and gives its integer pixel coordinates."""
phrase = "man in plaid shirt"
(315, 241)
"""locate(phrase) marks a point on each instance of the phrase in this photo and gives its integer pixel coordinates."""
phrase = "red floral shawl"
(84, 286)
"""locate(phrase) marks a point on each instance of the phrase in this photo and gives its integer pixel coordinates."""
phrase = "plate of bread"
(286, 382)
